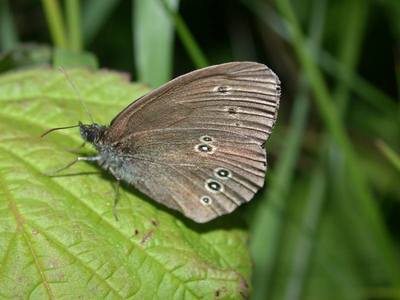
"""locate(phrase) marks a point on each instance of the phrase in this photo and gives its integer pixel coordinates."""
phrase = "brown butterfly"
(196, 144)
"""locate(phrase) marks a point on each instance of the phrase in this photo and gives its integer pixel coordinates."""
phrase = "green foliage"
(186, 37)
(95, 14)
(71, 58)
(390, 154)
(326, 225)
(8, 35)
(153, 36)
(56, 23)
(58, 236)
(25, 56)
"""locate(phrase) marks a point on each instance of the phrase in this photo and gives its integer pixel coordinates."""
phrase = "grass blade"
(303, 247)
(390, 154)
(267, 225)
(95, 14)
(350, 48)
(8, 32)
(74, 24)
(268, 222)
(55, 22)
(186, 37)
(153, 35)
(365, 203)
(361, 87)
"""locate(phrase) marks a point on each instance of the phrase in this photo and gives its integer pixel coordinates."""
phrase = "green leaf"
(25, 56)
(70, 58)
(58, 236)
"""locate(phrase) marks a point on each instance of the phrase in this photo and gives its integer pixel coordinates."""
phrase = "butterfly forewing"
(195, 144)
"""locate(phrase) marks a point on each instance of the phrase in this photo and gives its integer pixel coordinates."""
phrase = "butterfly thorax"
(92, 133)
(109, 156)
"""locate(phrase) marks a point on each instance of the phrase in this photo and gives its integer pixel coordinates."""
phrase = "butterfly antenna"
(58, 128)
(78, 94)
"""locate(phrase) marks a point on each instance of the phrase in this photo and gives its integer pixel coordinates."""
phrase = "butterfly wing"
(196, 143)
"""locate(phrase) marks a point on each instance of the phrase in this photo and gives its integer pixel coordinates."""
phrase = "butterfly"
(195, 144)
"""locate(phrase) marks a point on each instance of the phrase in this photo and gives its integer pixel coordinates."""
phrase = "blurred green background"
(327, 225)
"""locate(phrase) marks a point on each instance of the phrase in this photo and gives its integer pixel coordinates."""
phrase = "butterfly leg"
(79, 158)
(116, 200)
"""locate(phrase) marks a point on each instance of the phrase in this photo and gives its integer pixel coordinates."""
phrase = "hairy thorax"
(112, 158)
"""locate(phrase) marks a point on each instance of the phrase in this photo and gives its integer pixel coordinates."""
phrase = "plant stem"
(331, 118)
(390, 154)
(8, 34)
(74, 24)
(268, 225)
(187, 38)
(55, 22)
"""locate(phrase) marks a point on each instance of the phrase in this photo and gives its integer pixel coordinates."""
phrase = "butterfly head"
(91, 132)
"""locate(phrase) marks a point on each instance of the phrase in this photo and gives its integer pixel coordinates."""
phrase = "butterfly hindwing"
(178, 168)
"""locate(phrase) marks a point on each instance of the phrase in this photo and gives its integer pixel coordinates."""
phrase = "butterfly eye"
(214, 186)
(206, 200)
(206, 139)
(222, 173)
